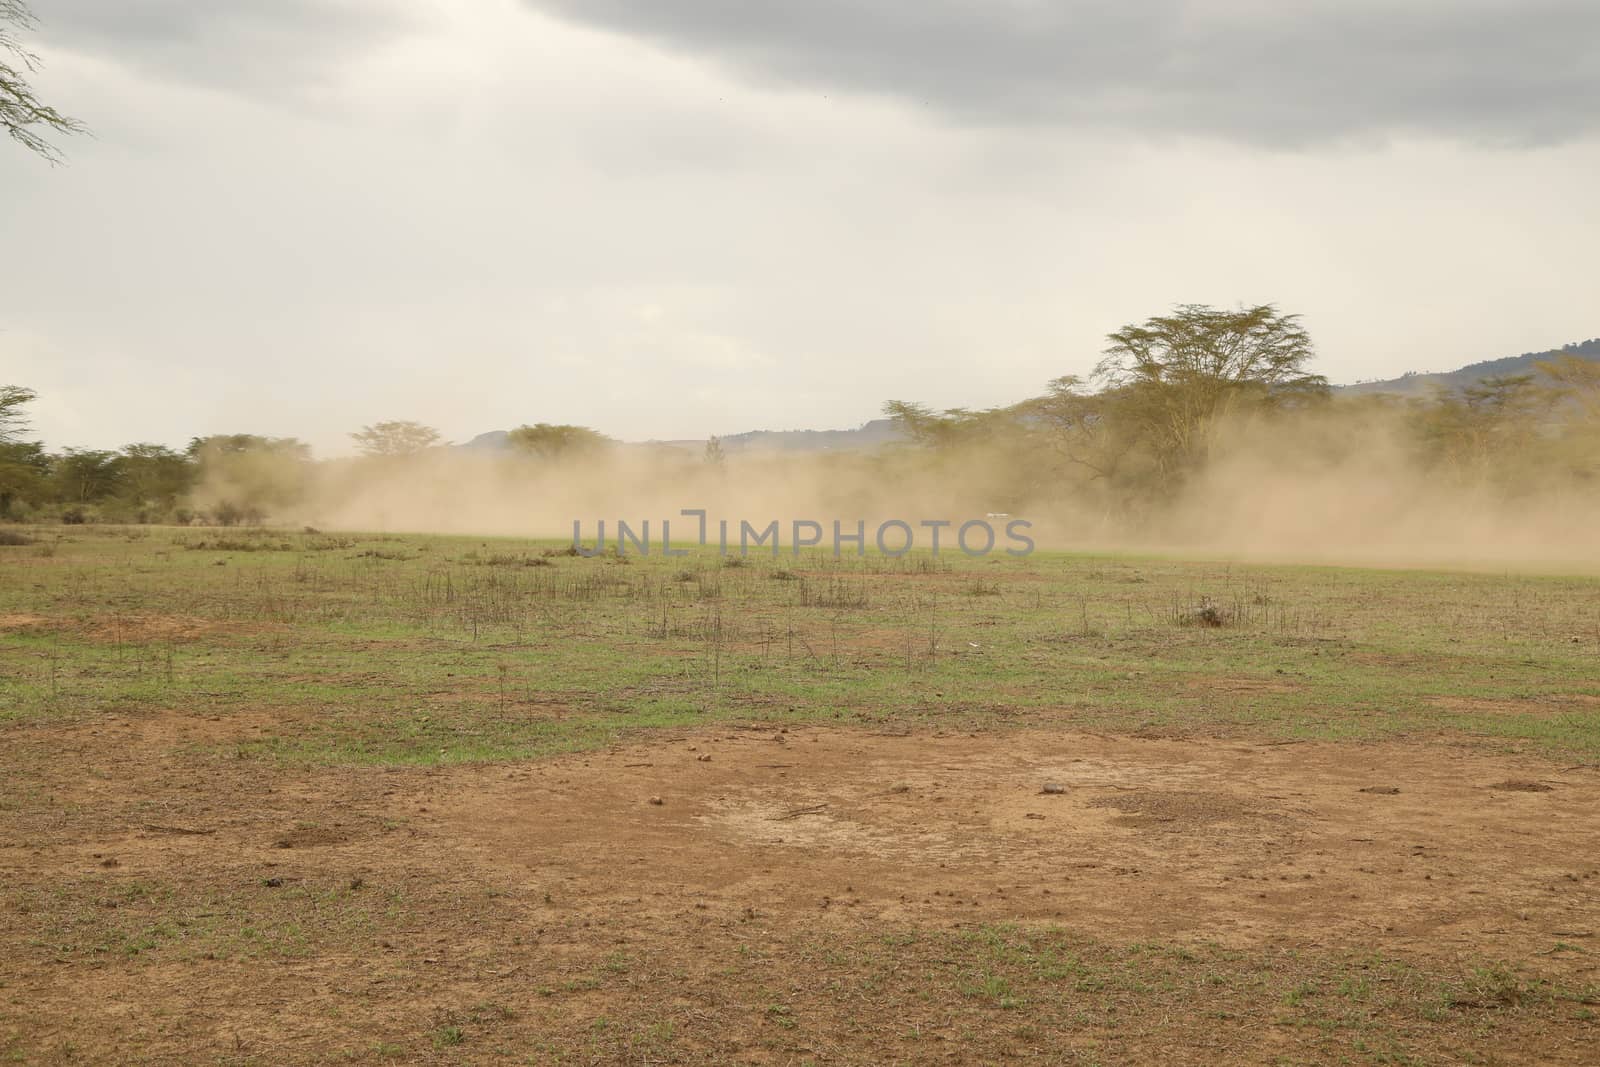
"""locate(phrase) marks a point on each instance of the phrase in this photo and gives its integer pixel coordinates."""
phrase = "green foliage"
(1172, 378)
(13, 419)
(551, 441)
(244, 444)
(1165, 387)
(24, 473)
(141, 481)
(25, 118)
(1173, 395)
(1575, 381)
(397, 438)
(1083, 429)
(1177, 397)
(949, 429)
(154, 477)
(84, 476)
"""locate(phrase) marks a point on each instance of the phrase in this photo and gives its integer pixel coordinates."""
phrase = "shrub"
(1206, 613)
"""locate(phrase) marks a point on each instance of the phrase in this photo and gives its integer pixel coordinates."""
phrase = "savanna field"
(300, 797)
(1264, 731)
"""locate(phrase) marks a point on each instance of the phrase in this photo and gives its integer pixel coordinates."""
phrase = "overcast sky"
(670, 218)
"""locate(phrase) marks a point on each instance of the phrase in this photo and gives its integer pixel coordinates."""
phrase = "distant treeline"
(143, 483)
(222, 479)
(1173, 400)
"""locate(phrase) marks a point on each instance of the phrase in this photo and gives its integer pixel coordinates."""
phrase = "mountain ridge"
(1416, 382)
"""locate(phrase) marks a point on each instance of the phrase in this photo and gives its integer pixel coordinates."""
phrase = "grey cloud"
(1273, 72)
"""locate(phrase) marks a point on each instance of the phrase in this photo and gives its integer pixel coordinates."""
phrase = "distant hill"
(1418, 384)
(866, 436)
(493, 441)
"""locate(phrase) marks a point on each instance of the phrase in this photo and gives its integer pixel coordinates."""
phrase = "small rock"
(657, 801)
(704, 757)
(1053, 788)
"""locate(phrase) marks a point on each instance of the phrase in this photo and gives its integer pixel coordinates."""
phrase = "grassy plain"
(254, 786)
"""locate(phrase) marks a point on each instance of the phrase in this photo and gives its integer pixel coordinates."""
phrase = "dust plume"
(1351, 483)
(1360, 487)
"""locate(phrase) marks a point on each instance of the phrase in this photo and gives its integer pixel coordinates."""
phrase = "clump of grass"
(235, 544)
(1207, 613)
(834, 593)
(1494, 986)
(327, 544)
(383, 553)
(509, 559)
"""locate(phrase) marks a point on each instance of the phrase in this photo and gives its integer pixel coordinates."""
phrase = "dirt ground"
(1235, 843)
(681, 900)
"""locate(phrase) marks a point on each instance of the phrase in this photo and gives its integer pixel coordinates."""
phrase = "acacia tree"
(24, 471)
(23, 116)
(942, 430)
(84, 476)
(552, 441)
(397, 438)
(155, 476)
(1487, 429)
(13, 419)
(1173, 376)
(1081, 428)
(1573, 380)
(23, 466)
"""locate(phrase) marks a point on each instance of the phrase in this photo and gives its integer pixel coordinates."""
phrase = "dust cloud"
(1340, 488)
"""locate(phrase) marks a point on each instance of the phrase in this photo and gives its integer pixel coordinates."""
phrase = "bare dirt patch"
(1522, 785)
(139, 629)
(134, 628)
(1180, 811)
(1237, 843)
(837, 895)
